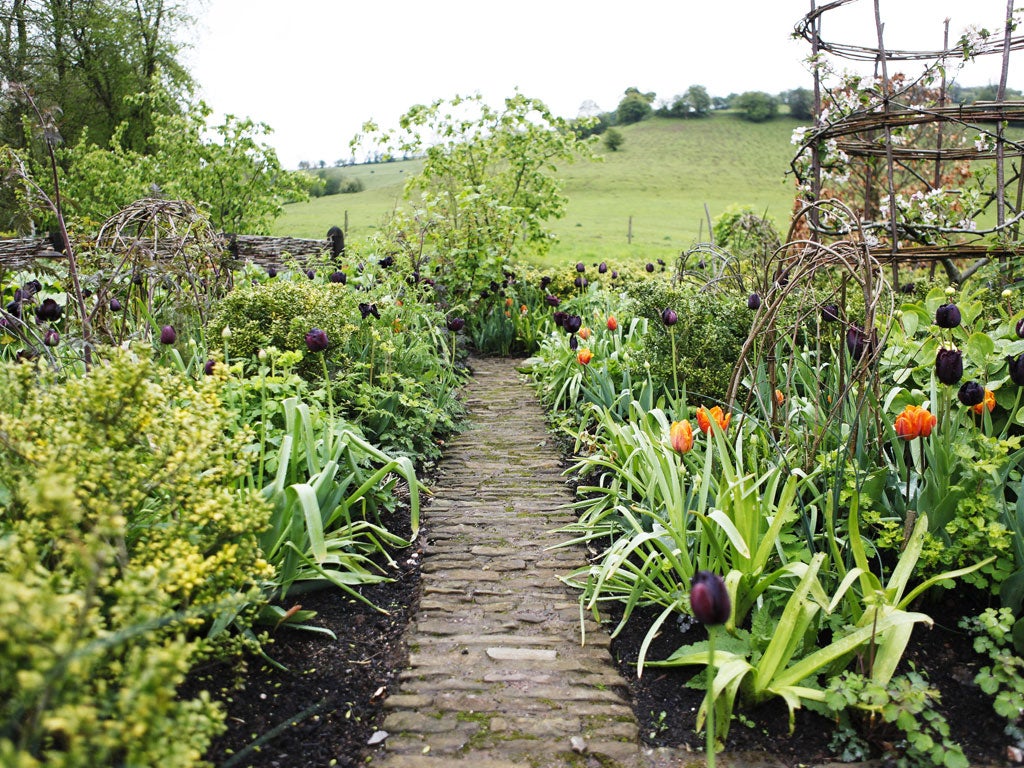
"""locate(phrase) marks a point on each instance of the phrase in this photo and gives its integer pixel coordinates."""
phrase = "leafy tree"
(698, 101)
(756, 106)
(613, 139)
(237, 179)
(801, 103)
(487, 186)
(634, 107)
(86, 59)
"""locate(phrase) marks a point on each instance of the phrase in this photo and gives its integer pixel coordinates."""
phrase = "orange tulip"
(508, 301)
(584, 356)
(612, 323)
(681, 435)
(704, 417)
(987, 404)
(914, 421)
(584, 333)
(523, 309)
(779, 397)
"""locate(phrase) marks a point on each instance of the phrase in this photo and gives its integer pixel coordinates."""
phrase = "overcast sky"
(315, 70)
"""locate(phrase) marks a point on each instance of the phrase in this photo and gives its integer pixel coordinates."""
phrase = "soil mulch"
(323, 710)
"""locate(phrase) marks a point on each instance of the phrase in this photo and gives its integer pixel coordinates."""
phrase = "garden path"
(497, 676)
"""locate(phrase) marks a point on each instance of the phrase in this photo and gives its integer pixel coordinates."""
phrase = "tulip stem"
(675, 365)
(329, 432)
(709, 700)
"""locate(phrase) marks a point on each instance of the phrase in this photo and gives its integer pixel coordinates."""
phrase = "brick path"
(497, 674)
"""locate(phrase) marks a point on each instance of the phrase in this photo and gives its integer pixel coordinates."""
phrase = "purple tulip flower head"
(115, 305)
(559, 317)
(754, 301)
(829, 313)
(947, 316)
(1020, 328)
(669, 316)
(971, 393)
(572, 323)
(209, 366)
(551, 300)
(316, 340)
(51, 338)
(602, 267)
(949, 366)
(168, 335)
(580, 266)
(1016, 365)
(338, 277)
(49, 311)
(456, 324)
(709, 599)
(649, 267)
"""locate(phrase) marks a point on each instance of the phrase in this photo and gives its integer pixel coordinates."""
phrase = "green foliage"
(743, 233)
(694, 103)
(127, 551)
(905, 704)
(712, 327)
(634, 107)
(1003, 678)
(237, 179)
(613, 139)
(487, 187)
(756, 106)
(801, 103)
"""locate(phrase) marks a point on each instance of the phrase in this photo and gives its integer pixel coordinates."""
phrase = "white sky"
(315, 70)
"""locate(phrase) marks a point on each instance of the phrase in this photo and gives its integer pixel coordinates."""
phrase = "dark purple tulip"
(51, 338)
(753, 301)
(581, 282)
(908, 287)
(949, 366)
(310, 274)
(387, 262)
(32, 287)
(552, 300)
(661, 262)
(701, 264)
(573, 343)
(49, 311)
(947, 316)
(829, 313)
(572, 323)
(115, 305)
(1016, 365)
(495, 286)
(271, 271)
(456, 323)
(209, 366)
(545, 281)
(858, 342)
(1020, 328)
(14, 308)
(669, 316)
(649, 267)
(602, 267)
(559, 317)
(168, 335)
(709, 599)
(615, 274)
(580, 266)
(971, 393)
(338, 277)
(316, 340)
(368, 309)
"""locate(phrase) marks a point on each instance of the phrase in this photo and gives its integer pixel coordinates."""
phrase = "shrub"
(712, 327)
(124, 554)
(756, 106)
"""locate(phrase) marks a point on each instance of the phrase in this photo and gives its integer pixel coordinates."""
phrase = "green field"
(664, 175)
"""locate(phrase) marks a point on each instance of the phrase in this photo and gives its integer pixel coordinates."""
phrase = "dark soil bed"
(324, 709)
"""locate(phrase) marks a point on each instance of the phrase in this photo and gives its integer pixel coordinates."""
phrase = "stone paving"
(497, 675)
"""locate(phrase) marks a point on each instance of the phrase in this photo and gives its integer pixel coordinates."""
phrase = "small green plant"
(1003, 679)
(905, 705)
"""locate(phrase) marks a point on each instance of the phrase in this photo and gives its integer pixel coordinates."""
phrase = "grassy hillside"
(663, 176)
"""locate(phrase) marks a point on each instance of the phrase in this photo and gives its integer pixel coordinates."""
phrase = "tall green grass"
(659, 182)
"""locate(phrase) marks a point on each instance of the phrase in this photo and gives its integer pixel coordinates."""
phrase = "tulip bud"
(1016, 365)
(316, 340)
(572, 323)
(949, 366)
(581, 282)
(580, 266)
(545, 281)
(559, 317)
(669, 316)
(552, 300)
(573, 343)
(829, 313)
(338, 277)
(709, 598)
(613, 324)
(51, 338)
(947, 316)
(649, 267)
(209, 366)
(753, 301)
(971, 393)
(615, 274)
(310, 274)
(857, 342)
(602, 267)
(1020, 328)
(271, 271)
(456, 324)
(115, 305)
(168, 335)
